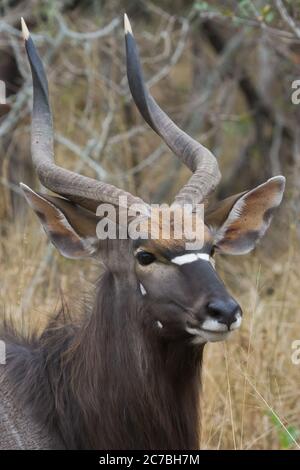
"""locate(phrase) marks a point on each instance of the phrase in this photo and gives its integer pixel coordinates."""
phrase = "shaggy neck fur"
(112, 382)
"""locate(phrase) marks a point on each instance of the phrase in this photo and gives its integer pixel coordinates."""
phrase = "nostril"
(225, 311)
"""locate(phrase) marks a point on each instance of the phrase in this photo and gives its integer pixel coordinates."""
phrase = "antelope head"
(178, 286)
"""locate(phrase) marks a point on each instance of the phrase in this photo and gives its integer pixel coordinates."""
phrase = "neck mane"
(111, 382)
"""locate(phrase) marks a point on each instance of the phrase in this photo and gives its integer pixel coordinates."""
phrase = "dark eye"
(145, 258)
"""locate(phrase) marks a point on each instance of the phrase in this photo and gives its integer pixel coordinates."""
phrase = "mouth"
(212, 331)
(201, 336)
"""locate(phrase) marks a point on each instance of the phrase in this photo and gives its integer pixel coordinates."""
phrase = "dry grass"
(250, 397)
(251, 386)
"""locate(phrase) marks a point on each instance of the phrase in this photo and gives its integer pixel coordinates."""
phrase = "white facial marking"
(191, 257)
(193, 331)
(184, 259)
(198, 340)
(204, 256)
(211, 330)
(201, 336)
(143, 290)
(208, 258)
(159, 324)
(237, 323)
(213, 325)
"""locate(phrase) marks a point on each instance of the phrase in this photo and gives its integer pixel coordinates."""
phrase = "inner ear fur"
(240, 221)
(217, 213)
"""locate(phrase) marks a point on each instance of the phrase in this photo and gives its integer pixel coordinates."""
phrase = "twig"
(287, 18)
(82, 153)
(275, 148)
(45, 261)
(100, 33)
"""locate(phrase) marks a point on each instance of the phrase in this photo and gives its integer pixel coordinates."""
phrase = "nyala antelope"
(128, 375)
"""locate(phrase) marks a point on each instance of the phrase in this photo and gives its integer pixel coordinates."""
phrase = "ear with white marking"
(248, 217)
(70, 228)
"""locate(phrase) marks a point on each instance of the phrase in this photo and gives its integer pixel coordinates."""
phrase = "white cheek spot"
(159, 324)
(143, 290)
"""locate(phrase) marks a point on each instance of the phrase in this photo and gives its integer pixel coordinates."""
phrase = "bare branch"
(287, 18)
(100, 33)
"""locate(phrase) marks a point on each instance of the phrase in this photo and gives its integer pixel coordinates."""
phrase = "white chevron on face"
(190, 258)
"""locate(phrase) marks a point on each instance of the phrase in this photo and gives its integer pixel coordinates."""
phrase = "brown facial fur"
(166, 245)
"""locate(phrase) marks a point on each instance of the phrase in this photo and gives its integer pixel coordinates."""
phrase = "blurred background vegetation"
(224, 72)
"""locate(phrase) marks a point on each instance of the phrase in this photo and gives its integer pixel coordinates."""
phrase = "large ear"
(71, 229)
(240, 221)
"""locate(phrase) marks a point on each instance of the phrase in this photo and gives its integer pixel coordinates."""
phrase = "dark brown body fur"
(111, 382)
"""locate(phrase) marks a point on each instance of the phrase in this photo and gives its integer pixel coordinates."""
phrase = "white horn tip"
(127, 25)
(25, 30)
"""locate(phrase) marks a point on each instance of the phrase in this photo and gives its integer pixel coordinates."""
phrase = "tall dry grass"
(251, 387)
